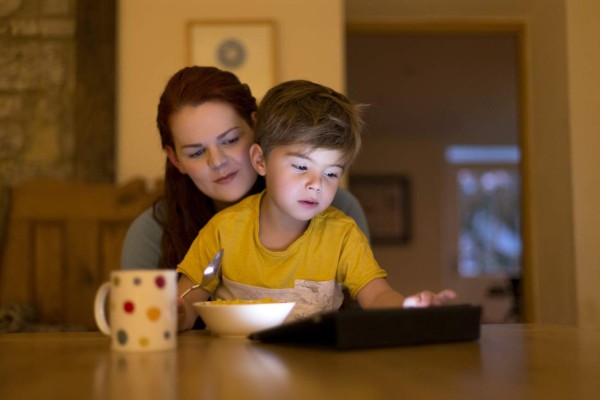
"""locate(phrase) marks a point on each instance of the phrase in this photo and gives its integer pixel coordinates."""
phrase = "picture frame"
(245, 47)
(385, 200)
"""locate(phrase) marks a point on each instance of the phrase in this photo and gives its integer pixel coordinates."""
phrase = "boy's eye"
(299, 167)
(331, 175)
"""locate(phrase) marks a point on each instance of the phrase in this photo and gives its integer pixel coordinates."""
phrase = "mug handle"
(99, 308)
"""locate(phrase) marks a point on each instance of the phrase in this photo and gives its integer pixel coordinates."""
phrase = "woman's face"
(212, 146)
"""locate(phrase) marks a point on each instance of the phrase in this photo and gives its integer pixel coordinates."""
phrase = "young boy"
(287, 243)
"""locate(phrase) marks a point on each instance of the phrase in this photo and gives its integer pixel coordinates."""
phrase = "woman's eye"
(197, 153)
(231, 140)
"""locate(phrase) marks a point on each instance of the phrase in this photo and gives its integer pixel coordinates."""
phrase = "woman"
(205, 120)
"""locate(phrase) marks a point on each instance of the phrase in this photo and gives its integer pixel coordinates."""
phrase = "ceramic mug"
(142, 310)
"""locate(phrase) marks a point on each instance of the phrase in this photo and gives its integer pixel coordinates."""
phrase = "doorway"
(429, 88)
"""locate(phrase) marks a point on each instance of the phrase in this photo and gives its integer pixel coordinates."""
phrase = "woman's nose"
(216, 158)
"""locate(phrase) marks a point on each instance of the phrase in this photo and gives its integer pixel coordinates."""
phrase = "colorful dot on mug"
(137, 281)
(160, 281)
(122, 337)
(128, 306)
(167, 335)
(116, 281)
(144, 342)
(153, 313)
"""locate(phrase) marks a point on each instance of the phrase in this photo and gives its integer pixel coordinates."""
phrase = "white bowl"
(241, 319)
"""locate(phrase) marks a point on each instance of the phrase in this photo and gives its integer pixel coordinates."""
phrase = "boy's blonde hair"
(303, 112)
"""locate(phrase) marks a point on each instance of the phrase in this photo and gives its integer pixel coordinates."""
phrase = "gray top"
(141, 248)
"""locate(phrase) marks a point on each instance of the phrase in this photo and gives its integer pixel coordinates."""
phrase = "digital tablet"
(357, 328)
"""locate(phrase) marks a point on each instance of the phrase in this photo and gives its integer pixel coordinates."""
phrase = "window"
(487, 183)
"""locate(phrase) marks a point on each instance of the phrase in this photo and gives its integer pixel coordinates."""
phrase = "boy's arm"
(379, 294)
(186, 314)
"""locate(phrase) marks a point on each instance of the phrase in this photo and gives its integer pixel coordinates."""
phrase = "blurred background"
(486, 112)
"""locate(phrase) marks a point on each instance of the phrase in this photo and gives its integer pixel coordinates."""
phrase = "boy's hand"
(180, 312)
(186, 314)
(427, 298)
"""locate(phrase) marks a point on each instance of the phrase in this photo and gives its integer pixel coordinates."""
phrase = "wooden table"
(508, 362)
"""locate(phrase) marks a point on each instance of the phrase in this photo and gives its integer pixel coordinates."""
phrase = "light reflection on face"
(300, 184)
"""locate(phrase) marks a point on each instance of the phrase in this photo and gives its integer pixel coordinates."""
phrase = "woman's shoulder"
(141, 247)
(344, 200)
(349, 205)
(146, 222)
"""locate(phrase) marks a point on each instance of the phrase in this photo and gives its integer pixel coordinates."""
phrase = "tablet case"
(358, 328)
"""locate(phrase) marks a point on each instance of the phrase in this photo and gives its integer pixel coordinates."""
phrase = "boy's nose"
(314, 185)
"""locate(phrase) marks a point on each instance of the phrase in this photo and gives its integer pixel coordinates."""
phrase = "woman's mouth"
(226, 178)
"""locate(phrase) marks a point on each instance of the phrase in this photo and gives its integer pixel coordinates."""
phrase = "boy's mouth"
(309, 203)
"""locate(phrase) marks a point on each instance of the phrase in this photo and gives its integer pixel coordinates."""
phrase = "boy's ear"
(173, 158)
(258, 160)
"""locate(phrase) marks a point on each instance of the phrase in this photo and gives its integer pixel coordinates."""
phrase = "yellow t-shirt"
(331, 254)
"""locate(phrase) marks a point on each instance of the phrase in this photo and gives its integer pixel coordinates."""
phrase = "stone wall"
(56, 115)
(37, 79)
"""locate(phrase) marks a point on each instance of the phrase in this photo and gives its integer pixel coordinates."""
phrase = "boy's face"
(300, 185)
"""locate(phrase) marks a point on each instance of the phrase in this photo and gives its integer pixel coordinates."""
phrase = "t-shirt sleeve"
(141, 247)
(358, 266)
(349, 205)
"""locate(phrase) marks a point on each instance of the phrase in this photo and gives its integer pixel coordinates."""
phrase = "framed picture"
(246, 48)
(386, 202)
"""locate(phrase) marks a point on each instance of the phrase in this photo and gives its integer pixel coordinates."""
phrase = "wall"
(548, 166)
(37, 79)
(37, 76)
(454, 88)
(434, 9)
(583, 36)
(152, 48)
(416, 265)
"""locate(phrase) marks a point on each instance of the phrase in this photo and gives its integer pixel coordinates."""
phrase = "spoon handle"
(189, 290)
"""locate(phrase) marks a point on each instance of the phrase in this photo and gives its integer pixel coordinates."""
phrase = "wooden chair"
(63, 240)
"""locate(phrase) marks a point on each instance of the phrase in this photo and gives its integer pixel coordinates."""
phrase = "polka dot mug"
(142, 310)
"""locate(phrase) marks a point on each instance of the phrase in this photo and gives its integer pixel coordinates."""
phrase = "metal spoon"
(212, 270)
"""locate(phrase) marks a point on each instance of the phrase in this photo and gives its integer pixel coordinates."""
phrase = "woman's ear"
(253, 117)
(258, 160)
(173, 158)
